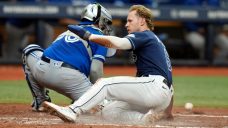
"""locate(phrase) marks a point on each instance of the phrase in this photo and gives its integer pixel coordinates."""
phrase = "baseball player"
(137, 98)
(68, 62)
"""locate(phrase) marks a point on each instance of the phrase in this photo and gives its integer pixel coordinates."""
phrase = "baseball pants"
(67, 81)
(132, 96)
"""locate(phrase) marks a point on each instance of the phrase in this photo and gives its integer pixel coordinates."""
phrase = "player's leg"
(168, 112)
(123, 112)
(31, 55)
(39, 94)
(142, 91)
(120, 111)
(41, 75)
(148, 92)
(69, 82)
(75, 86)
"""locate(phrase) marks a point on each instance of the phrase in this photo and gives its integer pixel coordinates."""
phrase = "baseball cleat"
(37, 104)
(64, 113)
(39, 109)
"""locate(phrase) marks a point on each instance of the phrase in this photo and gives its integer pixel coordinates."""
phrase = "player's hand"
(80, 31)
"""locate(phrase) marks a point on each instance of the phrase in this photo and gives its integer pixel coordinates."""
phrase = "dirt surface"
(16, 72)
(21, 115)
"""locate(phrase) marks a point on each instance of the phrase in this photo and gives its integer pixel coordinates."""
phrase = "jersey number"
(168, 62)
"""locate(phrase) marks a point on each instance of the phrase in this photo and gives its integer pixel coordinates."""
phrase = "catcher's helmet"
(99, 15)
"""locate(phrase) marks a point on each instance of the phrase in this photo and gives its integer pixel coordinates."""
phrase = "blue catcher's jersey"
(69, 48)
(150, 55)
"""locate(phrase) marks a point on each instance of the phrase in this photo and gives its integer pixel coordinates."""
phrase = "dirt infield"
(16, 72)
(21, 115)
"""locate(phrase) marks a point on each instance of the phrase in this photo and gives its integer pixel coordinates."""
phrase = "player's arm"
(111, 41)
(168, 111)
(107, 41)
(96, 70)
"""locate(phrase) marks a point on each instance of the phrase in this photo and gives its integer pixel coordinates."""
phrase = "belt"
(47, 60)
(165, 81)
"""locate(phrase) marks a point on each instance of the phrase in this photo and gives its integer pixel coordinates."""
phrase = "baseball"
(188, 106)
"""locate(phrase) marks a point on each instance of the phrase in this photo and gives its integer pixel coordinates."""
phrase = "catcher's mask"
(99, 15)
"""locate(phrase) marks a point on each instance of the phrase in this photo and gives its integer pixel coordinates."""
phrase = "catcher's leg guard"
(36, 104)
(39, 93)
(29, 49)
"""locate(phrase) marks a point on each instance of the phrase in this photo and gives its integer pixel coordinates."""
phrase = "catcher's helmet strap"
(96, 19)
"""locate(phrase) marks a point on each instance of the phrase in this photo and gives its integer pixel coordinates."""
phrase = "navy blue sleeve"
(137, 39)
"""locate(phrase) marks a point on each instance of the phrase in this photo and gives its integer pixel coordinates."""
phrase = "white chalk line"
(26, 118)
(32, 120)
(212, 116)
(181, 115)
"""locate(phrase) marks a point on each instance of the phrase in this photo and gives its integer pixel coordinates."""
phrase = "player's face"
(133, 22)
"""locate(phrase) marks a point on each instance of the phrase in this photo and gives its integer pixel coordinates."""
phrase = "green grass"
(18, 92)
(201, 91)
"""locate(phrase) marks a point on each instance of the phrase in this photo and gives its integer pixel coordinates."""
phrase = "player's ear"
(142, 21)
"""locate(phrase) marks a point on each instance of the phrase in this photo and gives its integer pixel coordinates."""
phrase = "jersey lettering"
(67, 37)
(168, 62)
(71, 39)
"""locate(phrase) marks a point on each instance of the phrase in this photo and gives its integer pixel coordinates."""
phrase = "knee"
(102, 81)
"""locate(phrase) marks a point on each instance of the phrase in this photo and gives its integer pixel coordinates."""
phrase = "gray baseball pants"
(40, 75)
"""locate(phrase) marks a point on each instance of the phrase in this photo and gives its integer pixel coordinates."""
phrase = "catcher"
(68, 62)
